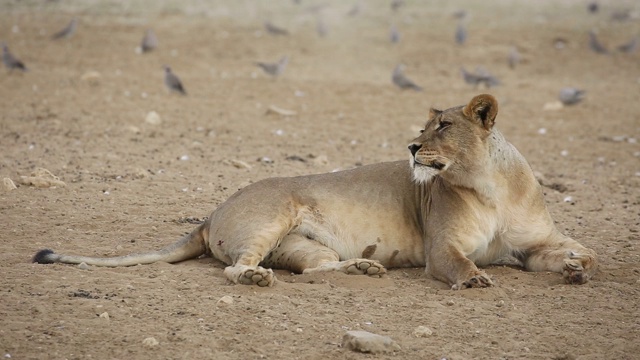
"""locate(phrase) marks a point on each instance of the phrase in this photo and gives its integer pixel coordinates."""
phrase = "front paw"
(480, 280)
(578, 268)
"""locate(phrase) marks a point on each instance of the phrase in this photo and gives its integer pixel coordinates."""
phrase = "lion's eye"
(443, 125)
(421, 131)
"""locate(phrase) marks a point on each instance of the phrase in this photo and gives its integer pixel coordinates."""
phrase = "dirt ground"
(133, 185)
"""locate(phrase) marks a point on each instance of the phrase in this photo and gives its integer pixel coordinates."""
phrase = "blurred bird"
(274, 30)
(481, 76)
(593, 7)
(461, 33)
(274, 69)
(514, 57)
(149, 41)
(397, 4)
(595, 45)
(394, 34)
(10, 61)
(629, 47)
(172, 82)
(68, 31)
(570, 96)
(459, 14)
(401, 81)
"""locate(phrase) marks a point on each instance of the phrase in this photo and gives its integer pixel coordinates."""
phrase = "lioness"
(467, 197)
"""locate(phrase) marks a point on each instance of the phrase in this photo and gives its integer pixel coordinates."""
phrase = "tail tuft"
(44, 257)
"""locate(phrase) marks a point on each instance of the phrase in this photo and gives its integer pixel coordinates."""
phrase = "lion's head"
(453, 142)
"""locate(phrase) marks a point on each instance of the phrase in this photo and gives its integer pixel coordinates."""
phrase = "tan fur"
(466, 198)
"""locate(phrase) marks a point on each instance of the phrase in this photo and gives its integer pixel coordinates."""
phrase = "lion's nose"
(414, 148)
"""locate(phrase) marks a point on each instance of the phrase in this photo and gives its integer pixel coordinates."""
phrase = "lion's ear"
(434, 112)
(483, 110)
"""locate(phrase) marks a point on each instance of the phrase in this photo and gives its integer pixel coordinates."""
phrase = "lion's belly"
(385, 237)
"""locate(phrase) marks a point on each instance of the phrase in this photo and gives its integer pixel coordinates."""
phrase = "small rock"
(8, 185)
(153, 118)
(568, 199)
(150, 342)
(553, 106)
(91, 77)
(422, 331)
(238, 164)
(266, 160)
(450, 302)
(366, 342)
(105, 315)
(225, 300)
(83, 266)
(280, 111)
(500, 303)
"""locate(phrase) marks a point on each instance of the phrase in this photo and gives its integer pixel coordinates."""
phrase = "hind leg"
(564, 255)
(302, 255)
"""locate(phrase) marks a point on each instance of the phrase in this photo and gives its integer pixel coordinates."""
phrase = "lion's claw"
(477, 281)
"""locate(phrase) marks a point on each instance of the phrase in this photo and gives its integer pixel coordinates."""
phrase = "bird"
(570, 96)
(149, 41)
(593, 7)
(68, 31)
(274, 69)
(481, 76)
(396, 5)
(401, 81)
(10, 61)
(595, 45)
(274, 30)
(461, 33)
(629, 47)
(394, 34)
(172, 82)
(514, 57)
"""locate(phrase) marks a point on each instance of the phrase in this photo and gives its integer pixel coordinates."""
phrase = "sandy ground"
(133, 186)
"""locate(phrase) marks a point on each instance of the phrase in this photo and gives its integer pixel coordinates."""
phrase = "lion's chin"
(423, 173)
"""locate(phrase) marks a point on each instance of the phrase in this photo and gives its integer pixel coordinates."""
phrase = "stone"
(366, 342)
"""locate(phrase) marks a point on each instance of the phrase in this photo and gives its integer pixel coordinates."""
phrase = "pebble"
(83, 266)
(451, 302)
(150, 342)
(153, 118)
(91, 77)
(105, 315)
(8, 184)
(225, 300)
(422, 331)
(366, 342)
(500, 303)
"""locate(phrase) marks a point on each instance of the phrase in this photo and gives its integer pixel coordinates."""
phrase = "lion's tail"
(189, 247)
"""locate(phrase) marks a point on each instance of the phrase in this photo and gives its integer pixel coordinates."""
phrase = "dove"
(401, 81)
(595, 45)
(10, 61)
(481, 76)
(570, 96)
(149, 41)
(396, 5)
(629, 47)
(274, 30)
(514, 57)
(274, 69)
(172, 82)
(461, 34)
(394, 34)
(68, 31)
